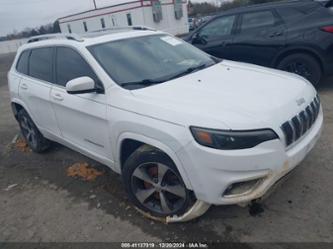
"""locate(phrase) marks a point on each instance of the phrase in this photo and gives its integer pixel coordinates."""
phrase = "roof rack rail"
(54, 36)
(120, 28)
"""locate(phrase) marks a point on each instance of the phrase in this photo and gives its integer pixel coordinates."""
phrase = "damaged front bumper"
(198, 209)
(212, 172)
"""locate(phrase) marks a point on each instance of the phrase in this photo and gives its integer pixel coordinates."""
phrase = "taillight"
(327, 29)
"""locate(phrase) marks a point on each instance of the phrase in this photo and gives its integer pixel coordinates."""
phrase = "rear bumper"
(212, 171)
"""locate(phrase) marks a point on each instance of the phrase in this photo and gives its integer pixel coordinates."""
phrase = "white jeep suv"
(185, 129)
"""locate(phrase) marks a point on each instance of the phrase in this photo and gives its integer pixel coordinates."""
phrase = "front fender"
(155, 143)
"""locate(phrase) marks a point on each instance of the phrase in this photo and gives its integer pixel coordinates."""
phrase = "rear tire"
(304, 65)
(154, 184)
(36, 141)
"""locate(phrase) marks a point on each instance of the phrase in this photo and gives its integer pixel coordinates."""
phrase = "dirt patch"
(21, 145)
(83, 171)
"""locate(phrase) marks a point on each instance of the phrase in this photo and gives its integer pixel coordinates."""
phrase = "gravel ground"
(48, 206)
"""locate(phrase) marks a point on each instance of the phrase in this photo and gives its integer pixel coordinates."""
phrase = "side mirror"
(81, 85)
(199, 39)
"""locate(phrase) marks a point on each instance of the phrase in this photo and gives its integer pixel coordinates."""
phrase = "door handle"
(225, 43)
(276, 34)
(58, 96)
(24, 86)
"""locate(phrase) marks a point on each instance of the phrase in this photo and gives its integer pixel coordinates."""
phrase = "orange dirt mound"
(83, 171)
(22, 145)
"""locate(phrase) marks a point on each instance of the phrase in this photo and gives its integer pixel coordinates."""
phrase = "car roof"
(86, 39)
(278, 4)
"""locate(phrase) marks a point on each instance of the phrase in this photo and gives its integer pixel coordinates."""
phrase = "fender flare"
(21, 103)
(155, 143)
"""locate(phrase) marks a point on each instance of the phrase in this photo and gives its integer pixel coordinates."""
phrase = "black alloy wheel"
(304, 65)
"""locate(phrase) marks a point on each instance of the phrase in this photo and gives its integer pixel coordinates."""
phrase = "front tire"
(154, 184)
(304, 65)
(36, 141)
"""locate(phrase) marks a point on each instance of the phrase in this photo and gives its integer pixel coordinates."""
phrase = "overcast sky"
(19, 14)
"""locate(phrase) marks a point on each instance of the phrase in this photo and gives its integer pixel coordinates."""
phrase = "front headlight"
(231, 140)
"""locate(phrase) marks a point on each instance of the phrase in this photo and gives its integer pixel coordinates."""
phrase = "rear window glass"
(40, 65)
(22, 64)
(290, 14)
(257, 20)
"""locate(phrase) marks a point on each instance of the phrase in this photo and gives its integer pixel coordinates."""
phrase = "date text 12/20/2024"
(164, 245)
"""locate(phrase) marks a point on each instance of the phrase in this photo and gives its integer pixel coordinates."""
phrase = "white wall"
(140, 16)
(168, 23)
(11, 46)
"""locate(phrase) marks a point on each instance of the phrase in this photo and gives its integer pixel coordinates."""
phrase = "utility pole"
(95, 4)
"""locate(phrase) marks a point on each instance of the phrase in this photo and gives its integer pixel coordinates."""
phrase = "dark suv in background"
(295, 36)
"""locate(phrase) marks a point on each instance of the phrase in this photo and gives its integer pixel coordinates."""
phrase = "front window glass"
(70, 65)
(142, 61)
(218, 27)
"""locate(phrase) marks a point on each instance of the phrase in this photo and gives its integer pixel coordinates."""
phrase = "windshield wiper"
(149, 82)
(145, 82)
(188, 71)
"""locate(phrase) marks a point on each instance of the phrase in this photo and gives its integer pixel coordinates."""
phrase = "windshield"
(142, 61)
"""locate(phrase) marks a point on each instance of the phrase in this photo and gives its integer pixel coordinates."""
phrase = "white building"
(167, 15)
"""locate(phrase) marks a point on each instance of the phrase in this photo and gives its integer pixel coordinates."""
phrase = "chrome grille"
(295, 128)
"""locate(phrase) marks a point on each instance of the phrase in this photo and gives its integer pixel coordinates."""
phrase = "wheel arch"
(18, 105)
(302, 50)
(134, 141)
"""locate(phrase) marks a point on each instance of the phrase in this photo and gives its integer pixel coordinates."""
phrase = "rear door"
(81, 117)
(35, 87)
(216, 37)
(260, 36)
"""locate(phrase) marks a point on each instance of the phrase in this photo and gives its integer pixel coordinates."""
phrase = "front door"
(216, 37)
(81, 117)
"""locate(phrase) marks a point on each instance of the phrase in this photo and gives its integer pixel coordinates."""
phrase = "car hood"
(228, 95)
